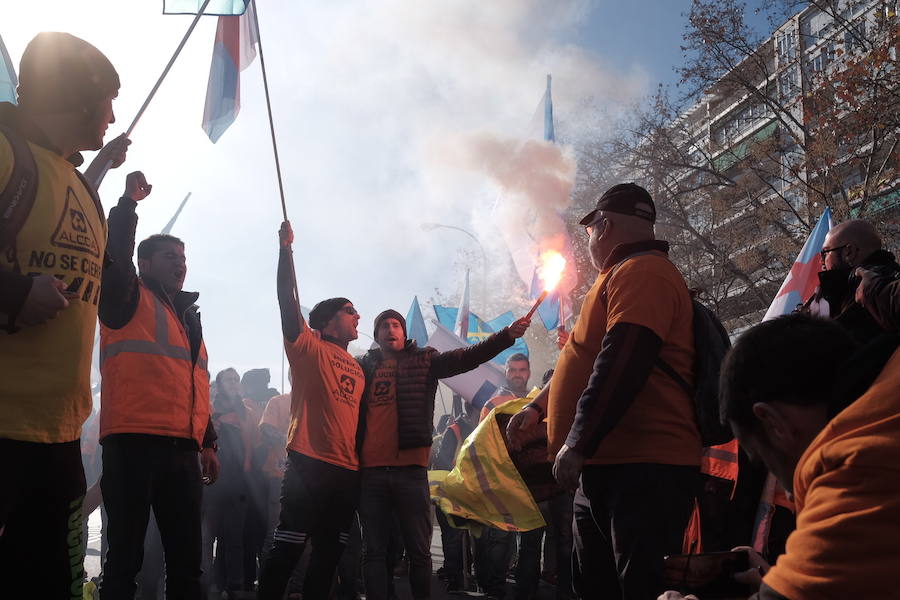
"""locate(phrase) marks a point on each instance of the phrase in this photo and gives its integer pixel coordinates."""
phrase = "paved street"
(92, 566)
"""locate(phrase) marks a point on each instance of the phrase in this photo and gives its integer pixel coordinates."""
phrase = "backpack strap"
(668, 370)
(17, 198)
(94, 196)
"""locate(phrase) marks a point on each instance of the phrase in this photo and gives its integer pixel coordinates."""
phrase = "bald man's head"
(849, 244)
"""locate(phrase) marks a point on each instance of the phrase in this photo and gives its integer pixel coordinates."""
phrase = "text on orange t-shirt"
(380, 444)
(325, 400)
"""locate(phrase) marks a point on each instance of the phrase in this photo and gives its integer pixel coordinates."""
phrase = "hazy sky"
(367, 98)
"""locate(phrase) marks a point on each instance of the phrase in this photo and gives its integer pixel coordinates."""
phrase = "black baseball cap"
(626, 199)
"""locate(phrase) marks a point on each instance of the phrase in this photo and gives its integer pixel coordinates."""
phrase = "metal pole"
(152, 93)
(262, 64)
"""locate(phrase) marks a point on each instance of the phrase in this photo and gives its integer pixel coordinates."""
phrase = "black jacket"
(838, 287)
(418, 372)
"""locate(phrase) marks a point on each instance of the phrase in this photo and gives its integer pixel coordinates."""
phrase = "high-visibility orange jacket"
(493, 403)
(721, 461)
(150, 382)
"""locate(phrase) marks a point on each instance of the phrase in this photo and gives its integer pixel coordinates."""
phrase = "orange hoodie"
(847, 490)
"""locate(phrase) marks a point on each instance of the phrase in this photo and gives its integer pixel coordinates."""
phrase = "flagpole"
(171, 223)
(153, 91)
(262, 65)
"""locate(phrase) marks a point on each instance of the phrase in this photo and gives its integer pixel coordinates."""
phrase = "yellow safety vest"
(46, 369)
(485, 488)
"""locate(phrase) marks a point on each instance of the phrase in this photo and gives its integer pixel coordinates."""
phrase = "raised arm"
(292, 323)
(119, 292)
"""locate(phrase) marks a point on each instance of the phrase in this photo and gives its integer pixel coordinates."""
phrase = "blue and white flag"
(8, 80)
(234, 50)
(415, 324)
(803, 278)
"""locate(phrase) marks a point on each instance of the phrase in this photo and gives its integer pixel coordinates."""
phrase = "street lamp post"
(484, 264)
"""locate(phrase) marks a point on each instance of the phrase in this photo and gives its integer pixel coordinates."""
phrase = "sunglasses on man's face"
(599, 223)
(824, 252)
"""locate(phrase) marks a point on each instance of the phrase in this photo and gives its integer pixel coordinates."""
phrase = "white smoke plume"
(367, 96)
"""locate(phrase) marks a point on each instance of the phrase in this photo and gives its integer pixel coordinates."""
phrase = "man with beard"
(847, 246)
(401, 381)
(518, 372)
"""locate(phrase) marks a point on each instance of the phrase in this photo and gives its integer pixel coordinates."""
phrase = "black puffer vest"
(415, 392)
(418, 372)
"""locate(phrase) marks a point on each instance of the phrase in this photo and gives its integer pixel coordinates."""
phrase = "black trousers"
(140, 472)
(224, 513)
(452, 545)
(389, 495)
(493, 552)
(627, 518)
(557, 512)
(41, 493)
(318, 501)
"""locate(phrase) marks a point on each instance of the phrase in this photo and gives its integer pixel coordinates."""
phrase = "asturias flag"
(234, 50)
(801, 282)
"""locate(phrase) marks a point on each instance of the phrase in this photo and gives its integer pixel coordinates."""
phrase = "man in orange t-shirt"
(621, 429)
(824, 418)
(401, 380)
(321, 482)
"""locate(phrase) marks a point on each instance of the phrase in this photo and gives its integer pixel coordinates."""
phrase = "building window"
(820, 61)
(787, 84)
(854, 36)
(786, 47)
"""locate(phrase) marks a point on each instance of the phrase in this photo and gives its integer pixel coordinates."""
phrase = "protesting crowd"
(650, 437)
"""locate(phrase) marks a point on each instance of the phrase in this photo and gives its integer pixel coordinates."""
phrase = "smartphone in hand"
(709, 575)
